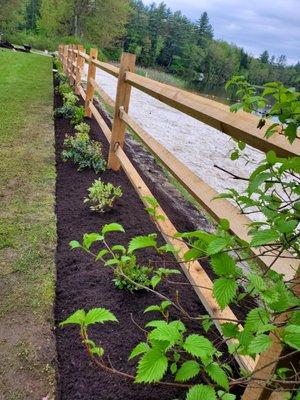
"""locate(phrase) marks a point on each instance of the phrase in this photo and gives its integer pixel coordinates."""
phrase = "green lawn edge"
(27, 226)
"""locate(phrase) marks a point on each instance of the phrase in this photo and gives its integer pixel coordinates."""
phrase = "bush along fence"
(266, 342)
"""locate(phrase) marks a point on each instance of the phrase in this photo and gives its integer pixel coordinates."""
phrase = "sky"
(255, 25)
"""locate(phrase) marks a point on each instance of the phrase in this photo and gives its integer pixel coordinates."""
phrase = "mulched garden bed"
(83, 283)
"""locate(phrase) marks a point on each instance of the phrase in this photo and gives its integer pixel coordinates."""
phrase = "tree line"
(159, 37)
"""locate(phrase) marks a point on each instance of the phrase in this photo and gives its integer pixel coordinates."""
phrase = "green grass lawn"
(27, 226)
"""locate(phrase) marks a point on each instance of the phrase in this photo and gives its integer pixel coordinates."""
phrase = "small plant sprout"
(84, 320)
(162, 308)
(152, 208)
(128, 274)
(102, 196)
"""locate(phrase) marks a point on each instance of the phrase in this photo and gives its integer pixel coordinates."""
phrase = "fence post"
(90, 87)
(68, 60)
(72, 61)
(65, 58)
(79, 67)
(122, 100)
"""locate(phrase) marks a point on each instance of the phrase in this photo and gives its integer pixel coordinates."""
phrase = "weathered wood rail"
(241, 126)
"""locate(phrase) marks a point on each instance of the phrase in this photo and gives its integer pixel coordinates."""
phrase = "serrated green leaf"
(74, 244)
(259, 344)
(217, 374)
(78, 318)
(224, 291)
(207, 323)
(99, 315)
(256, 318)
(165, 332)
(97, 350)
(173, 368)
(101, 254)
(140, 348)
(155, 281)
(151, 200)
(244, 337)
(216, 246)
(119, 247)
(201, 392)
(224, 265)
(155, 323)
(271, 155)
(264, 237)
(198, 346)
(165, 304)
(141, 242)
(152, 308)
(257, 282)
(152, 366)
(291, 336)
(112, 261)
(229, 329)
(89, 239)
(113, 227)
(193, 254)
(188, 370)
(226, 396)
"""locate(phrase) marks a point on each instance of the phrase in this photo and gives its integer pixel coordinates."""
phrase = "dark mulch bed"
(82, 283)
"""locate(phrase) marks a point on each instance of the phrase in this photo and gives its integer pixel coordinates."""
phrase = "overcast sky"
(255, 25)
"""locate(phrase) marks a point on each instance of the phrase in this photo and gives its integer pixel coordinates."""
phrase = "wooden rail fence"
(241, 126)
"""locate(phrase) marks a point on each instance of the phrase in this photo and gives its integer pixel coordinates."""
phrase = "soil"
(83, 283)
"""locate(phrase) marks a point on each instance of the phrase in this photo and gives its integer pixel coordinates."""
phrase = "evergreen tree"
(264, 57)
(32, 14)
(204, 29)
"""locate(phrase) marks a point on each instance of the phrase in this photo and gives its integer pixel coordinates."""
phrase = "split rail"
(241, 126)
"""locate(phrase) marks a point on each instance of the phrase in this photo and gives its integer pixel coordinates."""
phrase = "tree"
(32, 14)
(281, 61)
(11, 15)
(264, 57)
(204, 29)
(98, 21)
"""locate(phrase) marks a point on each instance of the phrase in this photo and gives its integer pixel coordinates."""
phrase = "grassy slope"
(27, 226)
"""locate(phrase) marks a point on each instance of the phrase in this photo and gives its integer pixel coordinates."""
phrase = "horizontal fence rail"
(240, 126)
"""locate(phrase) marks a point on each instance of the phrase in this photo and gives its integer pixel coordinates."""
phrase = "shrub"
(64, 87)
(78, 115)
(57, 65)
(84, 152)
(137, 274)
(128, 274)
(62, 80)
(66, 111)
(82, 128)
(102, 196)
(70, 98)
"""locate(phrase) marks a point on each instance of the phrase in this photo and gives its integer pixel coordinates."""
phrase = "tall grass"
(163, 77)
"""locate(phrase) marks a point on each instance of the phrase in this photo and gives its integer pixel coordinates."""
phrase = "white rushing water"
(194, 143)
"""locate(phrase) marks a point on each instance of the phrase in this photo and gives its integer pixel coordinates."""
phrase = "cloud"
(255, 25)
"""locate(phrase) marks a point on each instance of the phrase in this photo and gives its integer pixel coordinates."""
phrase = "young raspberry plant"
(84, 320)
(128, 274)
